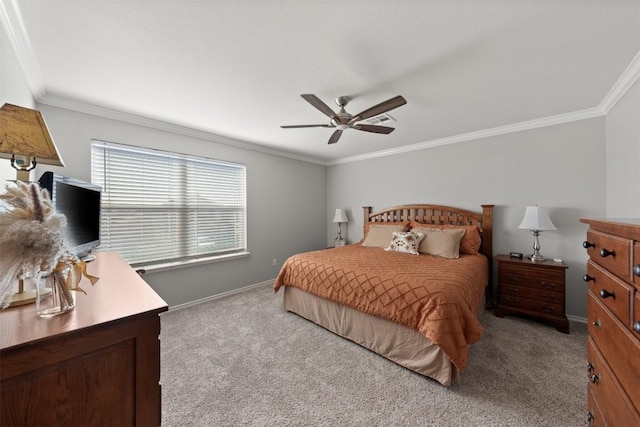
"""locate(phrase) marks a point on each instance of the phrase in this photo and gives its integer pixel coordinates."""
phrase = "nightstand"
(534, 289)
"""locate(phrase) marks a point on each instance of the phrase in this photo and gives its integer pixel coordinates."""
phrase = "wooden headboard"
(436, 214)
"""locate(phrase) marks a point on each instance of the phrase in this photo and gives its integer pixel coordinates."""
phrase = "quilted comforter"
(436, 296)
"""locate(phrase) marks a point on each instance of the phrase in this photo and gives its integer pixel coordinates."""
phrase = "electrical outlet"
(275, 261)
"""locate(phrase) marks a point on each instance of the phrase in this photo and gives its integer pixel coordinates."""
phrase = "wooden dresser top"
(119, 293)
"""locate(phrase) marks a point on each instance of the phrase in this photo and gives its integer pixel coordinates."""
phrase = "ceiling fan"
(343, 120)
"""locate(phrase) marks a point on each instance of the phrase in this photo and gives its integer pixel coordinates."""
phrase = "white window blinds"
(160, 207)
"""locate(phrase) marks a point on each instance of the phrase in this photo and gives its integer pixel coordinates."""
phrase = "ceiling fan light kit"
(342, 120)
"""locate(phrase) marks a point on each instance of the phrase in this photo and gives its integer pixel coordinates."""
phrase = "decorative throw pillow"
(470, 243)
(379, 236)
(440, 242)
(408, 242)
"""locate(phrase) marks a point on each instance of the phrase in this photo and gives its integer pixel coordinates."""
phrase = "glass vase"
(53, 293)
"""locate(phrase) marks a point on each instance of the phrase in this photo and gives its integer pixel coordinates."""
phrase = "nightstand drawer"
(542, 307)
(606, 390)
(611, 252)
(550, 280)
(532, 293)
(612, 292)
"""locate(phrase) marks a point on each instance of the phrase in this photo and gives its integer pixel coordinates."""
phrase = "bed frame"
(437, 214)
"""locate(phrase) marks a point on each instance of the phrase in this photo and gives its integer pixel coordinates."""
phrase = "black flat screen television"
(79, 201)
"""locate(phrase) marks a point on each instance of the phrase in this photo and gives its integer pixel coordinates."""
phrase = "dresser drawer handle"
(595, 379)
(606, 294)
(590, 367)
(597, 323)
(588, 278)
(548, 296)
(636, 327)
(548, 309)
(590, 417)
(547, 284)
(588, 245)
(605, 253)
(636, 270)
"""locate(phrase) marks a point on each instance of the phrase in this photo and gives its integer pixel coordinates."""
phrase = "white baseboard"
(222, 295)
(577, 319)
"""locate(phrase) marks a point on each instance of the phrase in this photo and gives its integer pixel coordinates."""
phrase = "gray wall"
(561, 167)
(623, 156)
(278, 191)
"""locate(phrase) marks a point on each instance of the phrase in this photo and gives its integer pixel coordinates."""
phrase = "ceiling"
(237, 68)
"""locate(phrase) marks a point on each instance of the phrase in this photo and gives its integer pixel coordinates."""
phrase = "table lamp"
(340, 217)
(26, 141)
(537, 220)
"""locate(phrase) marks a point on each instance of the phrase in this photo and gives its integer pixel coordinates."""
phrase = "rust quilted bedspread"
(435, 296)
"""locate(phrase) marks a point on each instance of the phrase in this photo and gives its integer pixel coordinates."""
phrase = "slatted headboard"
(436, 214)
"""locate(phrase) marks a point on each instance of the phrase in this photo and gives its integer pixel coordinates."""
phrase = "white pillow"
(408, 242)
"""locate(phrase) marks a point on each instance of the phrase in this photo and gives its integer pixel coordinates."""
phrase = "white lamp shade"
(537, 218)
(340, 216)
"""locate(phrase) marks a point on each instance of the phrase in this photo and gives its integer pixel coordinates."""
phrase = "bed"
(421, 312)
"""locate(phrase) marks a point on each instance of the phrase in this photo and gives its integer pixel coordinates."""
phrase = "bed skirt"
(397, 343)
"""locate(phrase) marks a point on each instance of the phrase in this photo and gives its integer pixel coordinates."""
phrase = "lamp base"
(23, 298)
(537, 258)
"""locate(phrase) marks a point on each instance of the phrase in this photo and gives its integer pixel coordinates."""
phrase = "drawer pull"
(590, 367)
(548, 296)
(588, 278)
(588, 245)
(606, 294)
(547, 284)
(597, 323)
(636, 269)
(636, 327)
(605, 253)
(548, 309)
(590, 417)
(595, 379)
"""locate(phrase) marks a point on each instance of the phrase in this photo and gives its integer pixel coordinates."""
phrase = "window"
(160, 207)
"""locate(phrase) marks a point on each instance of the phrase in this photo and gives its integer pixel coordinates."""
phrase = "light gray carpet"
(243, 360)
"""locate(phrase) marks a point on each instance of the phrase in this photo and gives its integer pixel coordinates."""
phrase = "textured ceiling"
(237, 68)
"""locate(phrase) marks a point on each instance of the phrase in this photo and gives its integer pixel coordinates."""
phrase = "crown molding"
(11, 20)
(624, 83)
(107, 113)
(478, 135)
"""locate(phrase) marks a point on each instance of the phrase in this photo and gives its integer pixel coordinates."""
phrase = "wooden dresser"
(613, 311)
(98, 365)
(535, 289)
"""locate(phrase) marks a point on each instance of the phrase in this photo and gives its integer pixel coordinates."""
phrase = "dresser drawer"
(615, 294)
(618, 410)
(617, 344)
(594, 415)
(537, 307)
(545, 279)
(533, 293)
(611, 252)
(635, 321)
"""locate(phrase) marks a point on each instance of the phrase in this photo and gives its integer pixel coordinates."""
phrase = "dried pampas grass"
(31, 235)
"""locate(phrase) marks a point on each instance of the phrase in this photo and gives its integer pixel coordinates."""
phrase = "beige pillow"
(380, 236)
(471, 241)
(440, 242)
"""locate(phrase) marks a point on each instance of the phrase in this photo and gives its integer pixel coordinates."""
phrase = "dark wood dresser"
(535, 289)
(98, 365)
(613, 312)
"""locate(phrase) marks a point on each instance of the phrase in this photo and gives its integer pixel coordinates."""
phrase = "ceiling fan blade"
(306, 126)
(316, 102)
(383, 107)
(335, 137)
(374, 128)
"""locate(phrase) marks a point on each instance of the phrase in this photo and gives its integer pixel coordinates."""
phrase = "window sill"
(157, 268)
